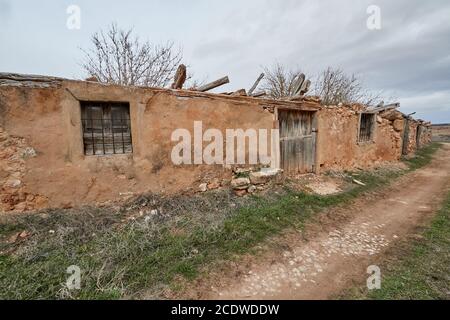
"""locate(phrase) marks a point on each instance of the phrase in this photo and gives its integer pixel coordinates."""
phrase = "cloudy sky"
(409, 58)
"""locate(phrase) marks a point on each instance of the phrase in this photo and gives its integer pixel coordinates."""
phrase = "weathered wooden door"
(297, 141)
(405, 138)
(418, 137)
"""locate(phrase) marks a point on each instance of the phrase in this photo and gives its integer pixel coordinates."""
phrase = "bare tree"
(192, 82)
(279, 81)
(334, 86)
(120, 57)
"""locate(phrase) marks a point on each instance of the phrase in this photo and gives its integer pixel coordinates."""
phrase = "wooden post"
(240, 92)
(306, 87)
(259, 94)
(214, 84)
(405, 138)
(180, 77)
(255, 85)
(298, 84)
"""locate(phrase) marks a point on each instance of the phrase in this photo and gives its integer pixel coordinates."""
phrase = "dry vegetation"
(145, 245)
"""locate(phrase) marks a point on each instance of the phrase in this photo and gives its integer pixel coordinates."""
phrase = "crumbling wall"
(338, 146)
(14, 153)
(412, 137)
(426, 136)
(58, 174)
(42, 161)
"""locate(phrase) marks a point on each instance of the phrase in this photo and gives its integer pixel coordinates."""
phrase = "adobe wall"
(426, 136)
(338, 146)
(412, 142)
(42, 163)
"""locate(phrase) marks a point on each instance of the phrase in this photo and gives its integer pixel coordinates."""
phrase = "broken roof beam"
(385, 108)
(180, 77)
(240, 92)
(305, 87)
(298, 84)
(27, 77)
(259, 94)
(255, 85)
(214, 84)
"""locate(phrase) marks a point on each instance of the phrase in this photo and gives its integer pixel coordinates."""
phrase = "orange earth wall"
(338, 146)
(42, 163)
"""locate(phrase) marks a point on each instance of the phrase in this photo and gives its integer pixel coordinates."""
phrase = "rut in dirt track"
(331, 260)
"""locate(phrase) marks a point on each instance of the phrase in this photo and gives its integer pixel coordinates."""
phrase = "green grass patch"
(122, 260)
(423, 156)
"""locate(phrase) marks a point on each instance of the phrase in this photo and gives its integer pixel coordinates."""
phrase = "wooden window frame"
(368, 136)
(106, 128)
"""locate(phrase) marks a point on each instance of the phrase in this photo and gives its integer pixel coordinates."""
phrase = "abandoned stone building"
(68, 142)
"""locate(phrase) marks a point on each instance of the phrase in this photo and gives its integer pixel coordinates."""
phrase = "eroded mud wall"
(42, 161)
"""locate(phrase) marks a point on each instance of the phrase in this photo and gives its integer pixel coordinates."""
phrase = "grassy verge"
(422, 271)
(422, 157)
(122, 259)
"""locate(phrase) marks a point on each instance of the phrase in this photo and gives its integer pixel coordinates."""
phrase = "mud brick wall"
(42, 161)
(338, 146)
(427, 136)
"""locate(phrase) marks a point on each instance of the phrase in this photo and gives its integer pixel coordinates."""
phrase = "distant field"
(441, 132)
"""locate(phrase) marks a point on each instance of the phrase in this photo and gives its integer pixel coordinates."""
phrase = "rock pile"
(248, 181)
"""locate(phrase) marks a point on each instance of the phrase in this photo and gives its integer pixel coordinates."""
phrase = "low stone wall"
(426, 136)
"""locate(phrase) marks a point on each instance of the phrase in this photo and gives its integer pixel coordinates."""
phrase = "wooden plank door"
(297, 141)
(418, 137)
(405, 138)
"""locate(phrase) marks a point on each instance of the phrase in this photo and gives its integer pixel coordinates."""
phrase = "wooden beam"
(305, 87)
(385, 108)
(240, 92)
(214, 84)
(259, 94)
(180, 77)
(380, 105)
(298, 84)
(255, 85)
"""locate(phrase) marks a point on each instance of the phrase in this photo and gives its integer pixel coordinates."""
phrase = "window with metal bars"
(366, 127)
(106, 128)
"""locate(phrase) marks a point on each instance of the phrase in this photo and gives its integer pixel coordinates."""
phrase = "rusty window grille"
(366, 127)
(106, 128)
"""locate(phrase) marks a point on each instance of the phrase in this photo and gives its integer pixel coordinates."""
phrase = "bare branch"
(280, 82)
(121, 58)
(334, 86)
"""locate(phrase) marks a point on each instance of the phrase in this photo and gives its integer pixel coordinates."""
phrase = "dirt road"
(339, 253)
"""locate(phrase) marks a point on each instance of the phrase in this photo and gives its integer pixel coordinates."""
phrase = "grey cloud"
(5, 9)
(408, 58)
